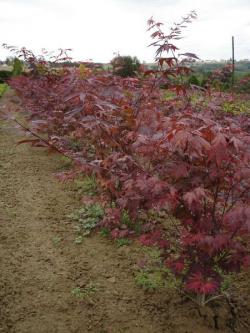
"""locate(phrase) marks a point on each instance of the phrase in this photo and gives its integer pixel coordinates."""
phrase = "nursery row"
(181, 157)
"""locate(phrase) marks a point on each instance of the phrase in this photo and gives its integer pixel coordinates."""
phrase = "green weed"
(56, 241)
(125, 218)
(85, 292)
(66, 162)
(75, 145)
(88, 218)
(237, 107)
(79, 239)
(87, 186)
(149, 281)
(105, 232)
(169, 95)
(123, 242)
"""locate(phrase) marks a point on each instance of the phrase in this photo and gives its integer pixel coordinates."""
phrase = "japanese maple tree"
(148, 153)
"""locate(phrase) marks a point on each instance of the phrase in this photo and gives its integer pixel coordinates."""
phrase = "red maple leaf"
(200, 284)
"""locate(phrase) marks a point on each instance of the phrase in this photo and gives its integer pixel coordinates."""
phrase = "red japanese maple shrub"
(149, 153)
(209, 167)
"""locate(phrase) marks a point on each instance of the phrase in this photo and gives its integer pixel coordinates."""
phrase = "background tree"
(125, 65)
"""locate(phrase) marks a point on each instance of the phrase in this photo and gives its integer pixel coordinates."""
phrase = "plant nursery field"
(54, 281)
(124, 195)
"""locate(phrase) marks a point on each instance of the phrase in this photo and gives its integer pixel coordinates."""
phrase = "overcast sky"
(97, 29)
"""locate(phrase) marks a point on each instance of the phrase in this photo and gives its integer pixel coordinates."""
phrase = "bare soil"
(41, 265)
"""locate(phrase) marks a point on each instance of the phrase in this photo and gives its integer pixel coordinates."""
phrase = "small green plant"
(171, 281)
(169, 95)
(104, 232)
(66, 163)
(152, 273)
(236, 107)
(150, 280)
(87, 185)
(76, 291)
(227, 282)
(125, 218)
(79, 239)
(85, 292)
(88, 218)
(122, 242)
(56, 241)
(75, 145)
(154, 254)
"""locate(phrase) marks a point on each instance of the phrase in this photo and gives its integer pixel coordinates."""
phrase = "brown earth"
(41, 265)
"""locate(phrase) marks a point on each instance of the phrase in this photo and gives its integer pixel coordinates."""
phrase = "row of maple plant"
(149, 153)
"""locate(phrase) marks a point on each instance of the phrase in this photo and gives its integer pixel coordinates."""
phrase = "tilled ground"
(41, 266)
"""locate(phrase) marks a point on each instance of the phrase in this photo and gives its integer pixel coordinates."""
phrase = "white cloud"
(97, 28)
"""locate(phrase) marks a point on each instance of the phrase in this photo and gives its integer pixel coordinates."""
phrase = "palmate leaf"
(200, 284)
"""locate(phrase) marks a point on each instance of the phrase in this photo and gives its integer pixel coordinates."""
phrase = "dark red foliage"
(149, 153)
(154, 238)
(204, 284)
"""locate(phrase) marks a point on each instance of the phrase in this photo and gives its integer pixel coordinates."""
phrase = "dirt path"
(41, 265)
